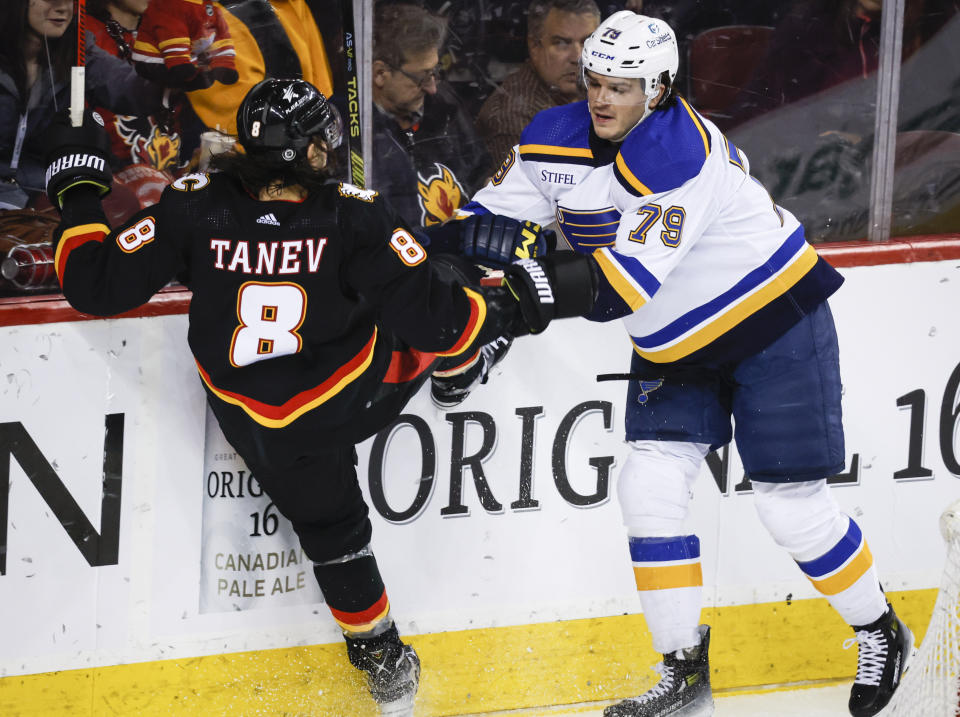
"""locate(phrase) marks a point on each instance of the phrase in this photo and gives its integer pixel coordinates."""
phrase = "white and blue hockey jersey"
(694, 254)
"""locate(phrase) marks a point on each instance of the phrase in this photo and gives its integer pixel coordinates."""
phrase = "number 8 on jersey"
(269, 315)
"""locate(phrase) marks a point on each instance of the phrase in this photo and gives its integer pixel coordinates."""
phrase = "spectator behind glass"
(427, 155)
(556, 30)
(145, 148)
(272, 38)
(689, 18)
(811, 106)
(828, 42)
(37, 48)
(823, 43)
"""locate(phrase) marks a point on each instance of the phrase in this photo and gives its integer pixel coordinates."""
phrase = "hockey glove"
(497, 240)
(77, 155)
(558, 286)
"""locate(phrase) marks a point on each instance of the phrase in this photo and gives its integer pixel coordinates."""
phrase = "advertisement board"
(131, 532)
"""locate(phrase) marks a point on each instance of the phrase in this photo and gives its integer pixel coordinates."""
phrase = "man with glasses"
(427, 156)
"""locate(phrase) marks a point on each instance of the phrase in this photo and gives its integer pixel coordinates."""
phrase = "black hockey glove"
(77, 155)
(558, 286)
(497, 240)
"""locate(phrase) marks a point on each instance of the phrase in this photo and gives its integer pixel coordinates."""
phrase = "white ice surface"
(830, 701)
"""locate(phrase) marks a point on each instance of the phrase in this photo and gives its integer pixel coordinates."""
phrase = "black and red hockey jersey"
(291, 301)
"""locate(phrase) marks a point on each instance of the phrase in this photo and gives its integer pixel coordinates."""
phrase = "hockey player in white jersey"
(725, 304)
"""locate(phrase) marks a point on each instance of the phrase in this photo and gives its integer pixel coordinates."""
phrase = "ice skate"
(683, 689)
(393, 671)
(450, 391)
(885, 648)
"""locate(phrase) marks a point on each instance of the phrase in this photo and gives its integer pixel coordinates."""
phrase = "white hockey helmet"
(634, 46)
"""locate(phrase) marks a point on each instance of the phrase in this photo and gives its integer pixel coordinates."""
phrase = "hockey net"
(931, 685)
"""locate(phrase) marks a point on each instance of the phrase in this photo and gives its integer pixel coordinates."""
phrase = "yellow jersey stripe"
(737, 313)
(475, 323)
(687, 575)
(559, 151)
(144, 46)
(621, 283)
(286, 419)
(366, 626)
(74, 237)
(591, 226)
(183, 41)
(848, 575)
(631, 177)
(699, 126)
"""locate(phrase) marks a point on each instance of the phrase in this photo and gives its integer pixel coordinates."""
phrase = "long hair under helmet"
(633, 46)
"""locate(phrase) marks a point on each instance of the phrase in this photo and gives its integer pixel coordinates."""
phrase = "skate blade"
(402, 707)
(704, 710)
(697, 709)
(909, 653)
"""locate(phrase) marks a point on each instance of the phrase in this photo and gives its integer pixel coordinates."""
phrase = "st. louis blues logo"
(645, 389)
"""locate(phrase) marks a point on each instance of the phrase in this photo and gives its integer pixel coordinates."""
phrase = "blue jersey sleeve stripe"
(789, 250)
(628, 179)
(556, 158)
(713, 328)
(626, 290)
(609, 305)
(526, 149)
(474, 208)
(834, 558)
(704, 135)
(672, 152)
(630, 278)
(735, 158)
(563, 126)
(649, 550)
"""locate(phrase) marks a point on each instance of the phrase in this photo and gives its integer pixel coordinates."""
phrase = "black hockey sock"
(354, 592)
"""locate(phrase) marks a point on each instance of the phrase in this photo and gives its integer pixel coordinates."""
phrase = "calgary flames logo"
(440, 196)
(162, 149)
(147, 142)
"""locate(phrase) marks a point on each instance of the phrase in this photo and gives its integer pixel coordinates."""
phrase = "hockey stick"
(354, 138)
(78, 71)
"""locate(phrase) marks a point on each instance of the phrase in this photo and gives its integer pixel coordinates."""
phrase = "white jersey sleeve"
(513, 192)
(552, 159)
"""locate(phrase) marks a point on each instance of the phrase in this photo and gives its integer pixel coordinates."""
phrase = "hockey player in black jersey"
(316, 314)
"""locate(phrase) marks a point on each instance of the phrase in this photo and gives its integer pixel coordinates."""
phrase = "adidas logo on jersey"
(270, 219)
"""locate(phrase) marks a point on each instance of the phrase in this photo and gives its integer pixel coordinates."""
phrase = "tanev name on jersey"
(272, 257)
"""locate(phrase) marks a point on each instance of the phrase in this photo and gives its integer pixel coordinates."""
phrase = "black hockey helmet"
(279, 118)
